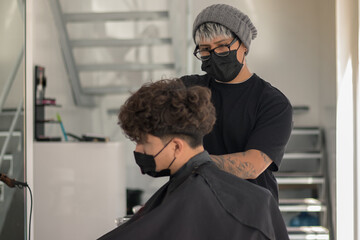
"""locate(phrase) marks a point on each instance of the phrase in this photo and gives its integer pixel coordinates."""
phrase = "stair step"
(8, 157)
(305, 233)
(109, 90)
(306, 131)
(125, 67)
(300, 109)
(300, 180)
(7, 164)
(10, 112)
(298, 174)
(302, 156)
(115, 16)
(118, 42)
(301, 205)
(14, 134)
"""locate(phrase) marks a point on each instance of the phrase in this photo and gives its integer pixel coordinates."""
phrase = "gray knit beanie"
(230, 17)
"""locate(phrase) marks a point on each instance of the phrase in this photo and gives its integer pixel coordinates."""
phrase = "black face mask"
(223, 69)
(147, 164)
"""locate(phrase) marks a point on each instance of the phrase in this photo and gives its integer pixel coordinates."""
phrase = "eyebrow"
(220, 41)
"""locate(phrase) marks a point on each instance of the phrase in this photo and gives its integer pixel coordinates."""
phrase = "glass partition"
(12, 205)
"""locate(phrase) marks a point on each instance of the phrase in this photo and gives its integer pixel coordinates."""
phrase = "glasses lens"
(204, 58)
(223, 53)
(222, 49)
(202, 55)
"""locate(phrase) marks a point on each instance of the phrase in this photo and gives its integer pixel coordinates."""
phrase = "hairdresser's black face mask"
(147, 163)
(223, 69)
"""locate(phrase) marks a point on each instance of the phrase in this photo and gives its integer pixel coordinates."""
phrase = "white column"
(347, 68)
(29, 108)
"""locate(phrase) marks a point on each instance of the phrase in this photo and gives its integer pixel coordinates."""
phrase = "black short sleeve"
(272, 129)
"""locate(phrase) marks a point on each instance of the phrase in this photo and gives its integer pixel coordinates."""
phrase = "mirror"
(93, 59)
(12, 80)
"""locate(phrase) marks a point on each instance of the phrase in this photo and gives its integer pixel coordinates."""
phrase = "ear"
(245, 49)
(179, 145)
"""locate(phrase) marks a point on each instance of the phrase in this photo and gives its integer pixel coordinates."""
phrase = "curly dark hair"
(167, 108)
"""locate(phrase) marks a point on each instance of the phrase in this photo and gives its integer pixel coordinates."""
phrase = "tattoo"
(233, 165)
(219, 161)
(265, 157)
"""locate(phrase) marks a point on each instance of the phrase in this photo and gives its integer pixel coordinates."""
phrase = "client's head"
(167, 121)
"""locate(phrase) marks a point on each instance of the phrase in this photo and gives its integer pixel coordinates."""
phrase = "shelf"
(47, 121)
(47, 105)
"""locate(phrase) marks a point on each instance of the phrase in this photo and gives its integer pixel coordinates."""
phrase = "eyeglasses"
(221, 51)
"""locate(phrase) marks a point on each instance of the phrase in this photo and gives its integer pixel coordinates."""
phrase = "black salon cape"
(202, 202)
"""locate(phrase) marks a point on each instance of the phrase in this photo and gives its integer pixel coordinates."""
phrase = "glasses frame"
(197, 50)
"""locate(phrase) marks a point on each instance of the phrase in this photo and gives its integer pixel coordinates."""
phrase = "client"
(168, 121)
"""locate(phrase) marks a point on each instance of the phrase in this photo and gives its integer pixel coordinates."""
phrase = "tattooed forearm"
(218, 160)
(266, 158)
(246, 165)
(231, 163)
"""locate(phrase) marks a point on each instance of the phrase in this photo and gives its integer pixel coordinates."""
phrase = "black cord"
(31, 203)
(13, 183)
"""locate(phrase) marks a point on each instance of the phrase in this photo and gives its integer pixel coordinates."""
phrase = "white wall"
(79, 189)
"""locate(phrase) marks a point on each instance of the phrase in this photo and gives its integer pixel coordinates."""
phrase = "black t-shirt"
(249, 115)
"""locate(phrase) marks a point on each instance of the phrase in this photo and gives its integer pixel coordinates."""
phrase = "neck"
(184, 158)
(243, 75)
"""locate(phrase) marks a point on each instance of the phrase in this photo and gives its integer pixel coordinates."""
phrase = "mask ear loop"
(171, 163)
(242, 62)
(163, 148)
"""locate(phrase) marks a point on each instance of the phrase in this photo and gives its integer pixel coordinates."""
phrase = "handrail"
(12, 127)
(10, 80)
(79, 97)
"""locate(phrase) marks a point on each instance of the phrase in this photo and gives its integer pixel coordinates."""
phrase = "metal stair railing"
(3, 97)
(6, 90)
(69, 61)
(10, 80)
(10, 133)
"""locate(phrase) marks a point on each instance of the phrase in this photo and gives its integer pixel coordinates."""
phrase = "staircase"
(112, 52)
(302, 181)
